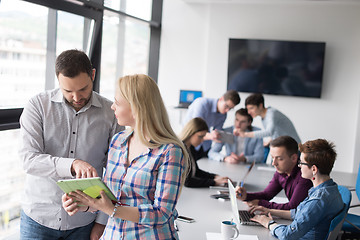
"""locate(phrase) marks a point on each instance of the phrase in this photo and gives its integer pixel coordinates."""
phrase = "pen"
(241, 185)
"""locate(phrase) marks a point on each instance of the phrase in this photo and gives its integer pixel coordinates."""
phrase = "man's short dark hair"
(255, 99)
(288, 143)
(320, 153)
(71, 63)
(233, 96)
(244, 112)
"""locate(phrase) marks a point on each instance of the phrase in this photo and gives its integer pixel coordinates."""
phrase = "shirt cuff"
(273, 231)
(292, 213)
(143, 215)
(101, 218)
(63, 167)
(216, 156)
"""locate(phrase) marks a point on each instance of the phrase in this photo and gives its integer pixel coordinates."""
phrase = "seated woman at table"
(311, 219)
(192, 135)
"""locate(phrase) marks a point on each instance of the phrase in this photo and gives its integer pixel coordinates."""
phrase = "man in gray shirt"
(275, 123)
(65, 134)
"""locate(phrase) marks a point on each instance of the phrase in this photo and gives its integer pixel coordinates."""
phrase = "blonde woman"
(192, 136)
(145, 168)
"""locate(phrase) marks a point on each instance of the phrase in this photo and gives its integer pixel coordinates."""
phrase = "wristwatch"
(271, 223)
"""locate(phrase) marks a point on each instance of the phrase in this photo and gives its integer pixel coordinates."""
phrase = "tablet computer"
(90, 186)
(226, 137)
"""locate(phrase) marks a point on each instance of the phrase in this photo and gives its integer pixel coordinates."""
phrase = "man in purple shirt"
(284, 152)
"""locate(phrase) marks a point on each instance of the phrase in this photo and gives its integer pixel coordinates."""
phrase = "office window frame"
(91, 9)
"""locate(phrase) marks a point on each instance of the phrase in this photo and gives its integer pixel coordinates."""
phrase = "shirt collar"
(324, 184)
(94, 99)
(295, 170)
(58, 96)
(214, 105)
(127, 133)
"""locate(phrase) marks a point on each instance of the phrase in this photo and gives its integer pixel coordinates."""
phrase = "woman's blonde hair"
(193, 126)
(151, 117)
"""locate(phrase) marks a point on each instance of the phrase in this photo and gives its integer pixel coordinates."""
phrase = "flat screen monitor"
(276, 67)
(188, 96)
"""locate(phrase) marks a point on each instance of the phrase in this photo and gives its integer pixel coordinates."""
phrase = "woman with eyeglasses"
(192, 136)
(312, 218)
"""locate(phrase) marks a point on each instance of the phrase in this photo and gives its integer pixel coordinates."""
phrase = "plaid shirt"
(151, 183)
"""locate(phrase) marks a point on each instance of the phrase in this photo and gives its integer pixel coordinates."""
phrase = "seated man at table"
(284, 152)
(239, 149)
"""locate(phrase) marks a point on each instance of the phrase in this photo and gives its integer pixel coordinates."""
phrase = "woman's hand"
(103, 203)
(262, 210)
(262, 219)
(70, 206)
(220, 181)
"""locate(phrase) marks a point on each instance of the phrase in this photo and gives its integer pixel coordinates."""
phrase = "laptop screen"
(188, 96)
(234, 207)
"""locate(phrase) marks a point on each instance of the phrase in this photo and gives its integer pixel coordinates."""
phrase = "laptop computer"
(240, 216)
(187, 97)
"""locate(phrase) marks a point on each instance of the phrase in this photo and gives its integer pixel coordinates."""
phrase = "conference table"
(209, 213)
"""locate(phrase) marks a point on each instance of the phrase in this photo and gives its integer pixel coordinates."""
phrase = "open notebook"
(242, 216)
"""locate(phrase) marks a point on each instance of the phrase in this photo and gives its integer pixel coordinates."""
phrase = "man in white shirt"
(65, 133)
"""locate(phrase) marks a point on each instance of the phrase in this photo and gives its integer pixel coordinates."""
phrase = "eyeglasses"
(227, 107)
(303, 163)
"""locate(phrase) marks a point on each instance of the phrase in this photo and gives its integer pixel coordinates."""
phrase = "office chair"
(337, 222)
(352, 221)
(266, 153)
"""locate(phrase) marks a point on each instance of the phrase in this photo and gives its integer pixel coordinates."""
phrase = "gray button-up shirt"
(53, 135)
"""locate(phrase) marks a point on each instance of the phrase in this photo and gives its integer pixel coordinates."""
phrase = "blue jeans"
(30, 230)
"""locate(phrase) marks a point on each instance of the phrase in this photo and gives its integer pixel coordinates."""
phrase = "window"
(138, 8)
(33, 33)
(71, 30)
(25, 59)
(125, 48)
(12, 179)
(23, 28)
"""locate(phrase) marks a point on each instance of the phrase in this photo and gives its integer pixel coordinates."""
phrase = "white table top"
(209, 213)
